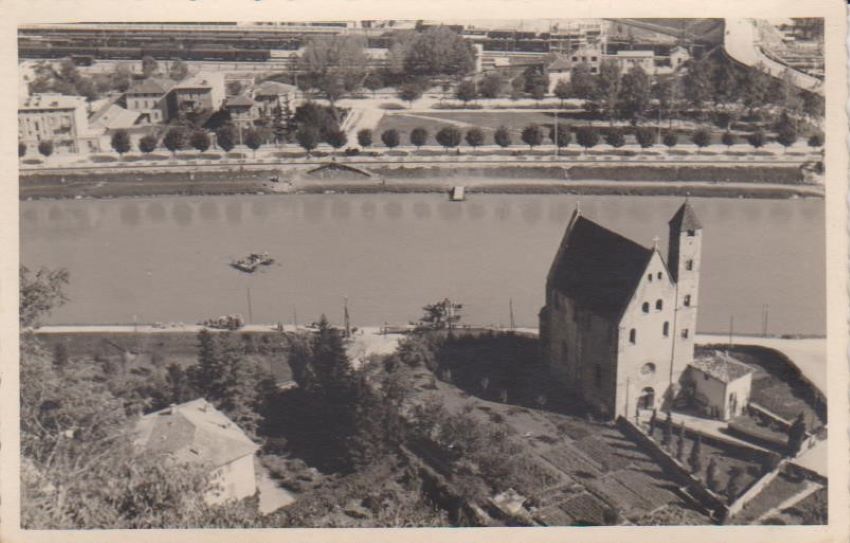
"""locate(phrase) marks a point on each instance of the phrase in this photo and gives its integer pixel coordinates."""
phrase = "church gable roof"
(685, 219)
(597, 268)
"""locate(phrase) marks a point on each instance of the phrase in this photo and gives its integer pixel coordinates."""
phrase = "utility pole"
(731, 330)
(250, 309)
(295, 317)
(557, 147)
(764, 316)
(511, 308)
(346, 318)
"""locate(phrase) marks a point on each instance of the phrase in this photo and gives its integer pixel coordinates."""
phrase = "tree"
(697, 82)
(562, 137)
(308, 138)
(441, 315)
(335, 65)
(280, 123)
(253, 140)
(635, 93)
(733, 485)
(410, 92)
(364, 137)
(390, 138)
(670, 139)
(200, 140)
(562, 90)
(22, 149)
(787, 135)
(711, 475)
(466, 91)
(178, 70)
(174, 139)
(120, 141)
(474, 137)
(608, 85)
(147, 143)
(225, 138)
(532, 135)
(492, 85)
(234, 87)
(583, 82)
(373, 82)
(502, 137)
(757, 139)
(816, 140)
(536, 82)
(448, 137)
(40, 292)
(796, 435)
(646, 137)
(615, 138)
(45, 147)
(337, 139)
(728, 139)
(701, 138)
(438, 50)
(587, 137)
(149, 66)
(418, 137)
(755, 86)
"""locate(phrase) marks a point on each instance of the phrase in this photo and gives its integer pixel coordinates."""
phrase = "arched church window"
(647, 369)
(666, 329)
(687, 300)
(691, 233)
(649, 278)
(645, 307)
(660, 275)
(659, 305)
(632, 336)
(689, 265)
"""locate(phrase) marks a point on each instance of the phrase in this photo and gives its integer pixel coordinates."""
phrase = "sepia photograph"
(448, 272)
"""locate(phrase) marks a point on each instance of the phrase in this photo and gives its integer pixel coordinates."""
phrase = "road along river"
(166, 259)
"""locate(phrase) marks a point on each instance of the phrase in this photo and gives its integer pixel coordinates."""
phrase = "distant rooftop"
(194, 432)
(51, 101)
(721, 366)
(273, 88)
(239, 101)
(150, 86)
(640, 54)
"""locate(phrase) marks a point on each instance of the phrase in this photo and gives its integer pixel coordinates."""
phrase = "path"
(810, 488)
(710, 427)
(272, 496)
(741, 43)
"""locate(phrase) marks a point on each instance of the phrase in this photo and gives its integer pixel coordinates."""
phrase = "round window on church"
(647, 369)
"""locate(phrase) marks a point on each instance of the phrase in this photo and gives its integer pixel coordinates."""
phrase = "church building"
(618, 326)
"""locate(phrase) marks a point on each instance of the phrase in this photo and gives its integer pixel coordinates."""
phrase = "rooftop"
(201, 80)
(721, 366)
(150, 86)
(241, 100)
(113, 117)
(194, 432)
(51, 101)
(642, 54)
(685, 219)
(273, 88)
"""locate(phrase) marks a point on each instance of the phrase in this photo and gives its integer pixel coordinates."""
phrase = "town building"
(58, 118)
(268, 95)
(196, 432)
(203, 92)
(148, 97)
(617, 330)
(242, 110)
(717, 385)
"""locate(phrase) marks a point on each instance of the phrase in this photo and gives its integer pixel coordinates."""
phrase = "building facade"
(618, 325)
(57, 118)
(148, 98)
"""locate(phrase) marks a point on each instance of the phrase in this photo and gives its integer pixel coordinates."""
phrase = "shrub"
(646, 137)
(147, 144)
(787, 135)
(307, 137)
(336, 138)
(200, 140)
(225, 138)
(670, 139)
(474, 137)
(45, 147)
(502, 136)
(174, 139)
(816, 140)
(22, 149)
(466, 91)
(253, 139)
(563, 136)
(728, 139)
(390, 138)
(757, 139)
(364, 137)
(587, 137)
(120, 141)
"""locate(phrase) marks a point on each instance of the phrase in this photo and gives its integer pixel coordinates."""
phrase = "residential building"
(717, 385)
(203, 92)
(618, 326)
(148, 97)
(242, 110)
(196, 432)
(268, 95)
(59, 118)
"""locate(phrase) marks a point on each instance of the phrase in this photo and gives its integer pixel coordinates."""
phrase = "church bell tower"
(684, 261)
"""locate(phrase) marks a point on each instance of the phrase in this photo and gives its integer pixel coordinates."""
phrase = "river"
(166, 259)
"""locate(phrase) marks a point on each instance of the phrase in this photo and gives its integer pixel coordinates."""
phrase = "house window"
(593, 59)
(632, 336)
(689, 265)
(666, 329)
(660, 275)
(684, 333)
(647, 369)
(659, 305)
(646, 307)
(692, 233)
(649, 278)
(575, 59)
(687, 300)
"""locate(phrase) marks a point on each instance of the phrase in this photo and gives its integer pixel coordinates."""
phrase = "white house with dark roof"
(148, 97)
(196, 432)
(718, 385)
(268, 95)
(617, 330)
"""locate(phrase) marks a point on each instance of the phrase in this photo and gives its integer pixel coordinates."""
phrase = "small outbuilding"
(718, 385)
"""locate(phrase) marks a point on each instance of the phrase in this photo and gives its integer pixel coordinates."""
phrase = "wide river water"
(166, 259)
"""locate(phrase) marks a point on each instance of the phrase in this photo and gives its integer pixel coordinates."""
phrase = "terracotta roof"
(241, 100)
(597, 268)
(685, 219)
(721, 366)
(194, 432)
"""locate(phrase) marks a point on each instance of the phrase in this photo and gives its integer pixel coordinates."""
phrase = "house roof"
(49, 100)
(194, 432)
(685, 219)
(202, 80)
(241, 100)
(114, 117)
(642, 53)
(560, 64)
(273, 88)
(148, 86)
(597, 268)
(721, 366)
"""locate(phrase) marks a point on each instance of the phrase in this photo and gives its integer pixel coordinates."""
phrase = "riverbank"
(750, 180)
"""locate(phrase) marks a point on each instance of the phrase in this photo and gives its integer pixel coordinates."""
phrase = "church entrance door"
(646, 400)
